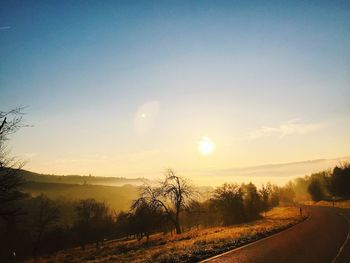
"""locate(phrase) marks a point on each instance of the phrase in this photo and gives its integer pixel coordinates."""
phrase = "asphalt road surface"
(320, 238)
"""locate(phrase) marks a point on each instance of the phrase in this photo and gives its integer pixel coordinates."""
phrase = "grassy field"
(117, 197)
(190, 246)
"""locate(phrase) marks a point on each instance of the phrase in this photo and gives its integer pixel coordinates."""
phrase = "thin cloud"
(290, 127)
(5, 27)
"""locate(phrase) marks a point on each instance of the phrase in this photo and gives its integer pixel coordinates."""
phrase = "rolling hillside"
(118, 197)
(79, 179)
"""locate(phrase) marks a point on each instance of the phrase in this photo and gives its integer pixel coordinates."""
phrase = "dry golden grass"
(190, 246)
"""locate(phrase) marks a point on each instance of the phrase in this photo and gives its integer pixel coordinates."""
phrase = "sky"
(130, 88)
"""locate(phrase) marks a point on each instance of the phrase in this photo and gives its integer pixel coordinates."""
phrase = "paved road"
(318, 239)
(344, 256)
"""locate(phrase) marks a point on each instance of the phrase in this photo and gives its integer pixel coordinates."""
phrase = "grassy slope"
(116, 192)
(118, 197)
(187, 247)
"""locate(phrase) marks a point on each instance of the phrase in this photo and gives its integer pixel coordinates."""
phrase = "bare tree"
(92, 220)
(10, 122)
(172, 196)
(10, 179)
(145, 219)
(46, 214)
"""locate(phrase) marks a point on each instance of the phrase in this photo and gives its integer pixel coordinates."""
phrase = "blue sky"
(267, 81)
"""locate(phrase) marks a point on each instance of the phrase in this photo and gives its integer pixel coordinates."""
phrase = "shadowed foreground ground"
(317, 239)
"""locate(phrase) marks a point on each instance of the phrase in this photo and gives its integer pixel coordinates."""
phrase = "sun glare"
(206, 146)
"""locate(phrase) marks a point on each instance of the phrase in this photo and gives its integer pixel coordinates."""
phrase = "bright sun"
(206, 146)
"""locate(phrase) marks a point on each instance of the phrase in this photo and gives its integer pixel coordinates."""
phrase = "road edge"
(256, 241)
(345, 241)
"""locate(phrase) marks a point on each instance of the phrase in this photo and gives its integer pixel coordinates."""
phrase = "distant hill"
(117, 197)
(82, 180)
(117, 192)
(287, 169)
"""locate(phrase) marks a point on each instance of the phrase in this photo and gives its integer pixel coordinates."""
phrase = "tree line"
(330, 185)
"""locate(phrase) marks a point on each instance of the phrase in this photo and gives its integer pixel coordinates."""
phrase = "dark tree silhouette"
(145, 218)
(46, 214)
(228, 199)
(315, 190)
(92, 220)
(123, 226)
(10, 122)
(340, 181)
(10, 179)
(265, 193)
(194, 214)
(252, 201)
(172, 196)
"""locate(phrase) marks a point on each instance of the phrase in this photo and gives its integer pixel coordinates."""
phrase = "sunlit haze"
(120, 88)
(206, 146)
